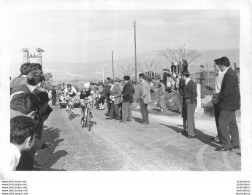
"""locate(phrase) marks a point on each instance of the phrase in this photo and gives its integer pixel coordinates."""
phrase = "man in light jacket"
(115, 98)
(145, 98)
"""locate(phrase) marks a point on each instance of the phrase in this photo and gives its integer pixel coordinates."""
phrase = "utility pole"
(135, 52)
(207, 76)
(113, 71)
(103, 73)
(193, 73)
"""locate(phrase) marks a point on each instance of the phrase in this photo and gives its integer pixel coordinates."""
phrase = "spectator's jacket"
(19, 80)
(190, 93)
(229, 96)
(127, 92)
(53, 93)
(23, 88)
(202, 77)
(116, 92)
(161, 91)
(181, 86)
(106, 91)
(145, 92)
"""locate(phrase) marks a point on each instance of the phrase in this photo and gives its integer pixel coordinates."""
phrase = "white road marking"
(226, 161)
(200, 160)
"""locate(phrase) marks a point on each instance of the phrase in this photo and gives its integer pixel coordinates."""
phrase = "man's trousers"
(144, 111)
(228, 127)
(126, 111)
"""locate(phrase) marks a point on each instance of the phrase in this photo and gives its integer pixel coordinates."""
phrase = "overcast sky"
(87, 36)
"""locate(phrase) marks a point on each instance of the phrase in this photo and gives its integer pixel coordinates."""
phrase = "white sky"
(87, 36)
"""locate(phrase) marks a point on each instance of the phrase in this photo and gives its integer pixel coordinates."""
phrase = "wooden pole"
(207, 76)
(113, 70)
(135, 51)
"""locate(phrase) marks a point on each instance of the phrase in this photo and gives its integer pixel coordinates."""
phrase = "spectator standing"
(189, 105)
(184, 66)
(161, 96)
(21, 79)
(145, 98)
(181, 86)
(106, 94)
(202, 79)
(100, 102)
(115, 96)
(229, 99)
(216, 105)
(127, 96)
(54, 95)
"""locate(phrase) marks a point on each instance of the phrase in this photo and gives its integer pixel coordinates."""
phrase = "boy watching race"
(86, 98)
(22, 136)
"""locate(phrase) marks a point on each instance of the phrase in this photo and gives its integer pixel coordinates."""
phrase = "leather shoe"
(108, 118)
(236, 147)
(144, 123)
(183, 132)
(221, 149)
(191, 136)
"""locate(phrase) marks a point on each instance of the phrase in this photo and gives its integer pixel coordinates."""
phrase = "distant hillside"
(63, 71)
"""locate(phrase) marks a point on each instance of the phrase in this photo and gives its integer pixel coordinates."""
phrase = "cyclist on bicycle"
(86, 98)
(70, 93)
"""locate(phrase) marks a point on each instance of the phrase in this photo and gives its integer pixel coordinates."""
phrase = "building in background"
(32, 57)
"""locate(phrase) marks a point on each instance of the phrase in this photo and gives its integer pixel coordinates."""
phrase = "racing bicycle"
(70, 105)
(86, 118)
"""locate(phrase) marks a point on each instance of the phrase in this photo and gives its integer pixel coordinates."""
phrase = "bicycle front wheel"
(88, 120)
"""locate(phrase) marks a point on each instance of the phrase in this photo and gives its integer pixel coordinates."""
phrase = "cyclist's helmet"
(86, 85)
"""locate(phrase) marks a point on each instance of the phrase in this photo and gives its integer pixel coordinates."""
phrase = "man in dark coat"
(229, 100)
(106, 94)
(127, 95)
(189, 105)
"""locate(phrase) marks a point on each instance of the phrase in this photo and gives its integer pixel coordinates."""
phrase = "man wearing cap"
(127, 95)
(145, 98)
(118, 101)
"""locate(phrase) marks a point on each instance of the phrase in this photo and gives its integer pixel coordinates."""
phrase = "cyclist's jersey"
(72, 93)
(85, 94)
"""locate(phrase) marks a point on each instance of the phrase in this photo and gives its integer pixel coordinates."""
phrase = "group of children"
(28, 110)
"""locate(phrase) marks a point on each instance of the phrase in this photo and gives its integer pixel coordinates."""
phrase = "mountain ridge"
(62, 71)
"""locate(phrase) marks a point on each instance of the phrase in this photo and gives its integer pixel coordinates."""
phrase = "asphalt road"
(113, 146)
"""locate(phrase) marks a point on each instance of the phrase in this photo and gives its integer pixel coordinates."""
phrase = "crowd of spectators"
(29, 109)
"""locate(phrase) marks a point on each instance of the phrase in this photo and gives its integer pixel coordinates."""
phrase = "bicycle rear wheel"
(70, 112)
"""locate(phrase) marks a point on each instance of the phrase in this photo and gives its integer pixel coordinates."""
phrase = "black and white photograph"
(97, 89)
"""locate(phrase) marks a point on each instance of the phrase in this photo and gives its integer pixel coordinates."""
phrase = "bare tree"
(148, 66)
(181, 53)
(127, 69)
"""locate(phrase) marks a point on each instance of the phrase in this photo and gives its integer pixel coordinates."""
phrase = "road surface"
(114, 146)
